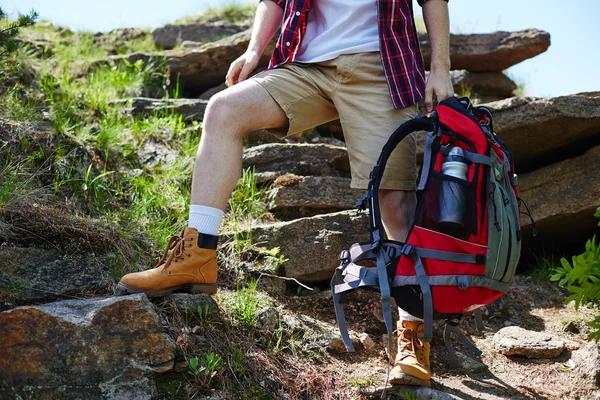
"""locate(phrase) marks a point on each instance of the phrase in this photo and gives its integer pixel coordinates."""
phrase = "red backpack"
(463, 248)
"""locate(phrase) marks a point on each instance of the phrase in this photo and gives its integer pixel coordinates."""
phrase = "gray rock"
(274, 159)
(469, 364)
(312, 245)
(563, 197)
(186, 302)
(367, 343)
(169, 36)
(311, 195)
(103, 348)
(407, 392)
(540, 129)
(587, 362)
(267, 319)
(482, 83)
(483, 52)
(516, 341)
(190, 109)
(153, 153)
(212, 91)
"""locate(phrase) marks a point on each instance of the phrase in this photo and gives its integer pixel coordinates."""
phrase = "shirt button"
(298, 13)
(287, 43)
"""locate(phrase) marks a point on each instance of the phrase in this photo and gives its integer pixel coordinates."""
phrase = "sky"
(570, 65)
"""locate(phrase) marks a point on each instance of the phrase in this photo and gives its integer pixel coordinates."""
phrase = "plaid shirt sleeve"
(421, 2)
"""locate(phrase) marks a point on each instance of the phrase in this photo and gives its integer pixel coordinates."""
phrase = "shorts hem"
(409, 186)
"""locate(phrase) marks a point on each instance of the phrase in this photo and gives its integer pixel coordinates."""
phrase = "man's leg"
(189, 262)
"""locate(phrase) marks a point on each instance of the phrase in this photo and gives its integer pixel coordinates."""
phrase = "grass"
(234, 13)
(246, 305)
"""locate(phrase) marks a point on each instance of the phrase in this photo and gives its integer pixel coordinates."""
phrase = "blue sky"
(570, 65)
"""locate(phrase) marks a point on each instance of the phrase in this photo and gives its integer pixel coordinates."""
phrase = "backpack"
(453, 262)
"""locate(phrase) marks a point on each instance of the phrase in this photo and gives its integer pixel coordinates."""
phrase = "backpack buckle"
(344, 257)
(408, 250)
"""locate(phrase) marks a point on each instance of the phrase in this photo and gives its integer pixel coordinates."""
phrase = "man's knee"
(398, 205)
(220, 113)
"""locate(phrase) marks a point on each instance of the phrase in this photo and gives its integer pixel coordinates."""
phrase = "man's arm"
(266, 22)
(435, 14)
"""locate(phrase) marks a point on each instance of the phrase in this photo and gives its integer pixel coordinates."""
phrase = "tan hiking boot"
(191, 266)
(412, 360)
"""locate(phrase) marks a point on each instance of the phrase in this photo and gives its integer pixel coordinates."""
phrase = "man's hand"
(241, 68)
(438, 84)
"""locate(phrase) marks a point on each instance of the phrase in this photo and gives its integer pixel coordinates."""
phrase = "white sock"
(205, 219)
(404, 316)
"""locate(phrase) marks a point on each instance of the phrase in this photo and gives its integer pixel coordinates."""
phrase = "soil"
(533, 305)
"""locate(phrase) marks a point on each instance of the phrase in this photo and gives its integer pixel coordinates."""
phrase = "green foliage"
(362, 382)
(233, 13)
(10, 29)
(246, 305)
(247, 202)
(582, 278)
(205, 370)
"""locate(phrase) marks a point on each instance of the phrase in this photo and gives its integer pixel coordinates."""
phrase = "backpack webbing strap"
(452, 327)
(417, 124)
(411, 252)
(478, 158)
(426, 161)
(450, 256)
(339, 311)
(478, 319)
(384, 288)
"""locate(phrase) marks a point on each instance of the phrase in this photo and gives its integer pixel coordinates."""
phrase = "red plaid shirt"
(398, 41)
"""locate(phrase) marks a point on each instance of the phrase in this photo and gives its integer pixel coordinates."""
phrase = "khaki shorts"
(352, 88)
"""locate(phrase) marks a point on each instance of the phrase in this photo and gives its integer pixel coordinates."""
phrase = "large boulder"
(106, 348)
(562, 197)
(190, 109)
(312, 245)
(169, 36)
(294, 196)
(483, 84)
(539, 130)
(274, 159)
(483, 52)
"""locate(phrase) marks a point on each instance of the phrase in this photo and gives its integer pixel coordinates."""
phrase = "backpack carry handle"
(417, 124)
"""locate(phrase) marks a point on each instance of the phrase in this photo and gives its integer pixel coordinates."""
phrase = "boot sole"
(209, 288)
(404, 379)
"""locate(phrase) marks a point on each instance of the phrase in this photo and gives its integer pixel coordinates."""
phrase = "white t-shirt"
(337, 27)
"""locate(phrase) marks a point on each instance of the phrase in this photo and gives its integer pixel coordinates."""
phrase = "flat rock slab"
(408, 393)
(200, 68)
(587, 362)
(481, 83)
(563, 197)
(190, 109)
(169, 36)
(484, 52)
(292, 195)
(99, 348)
(274, 159)
(516, 341)
(540, 129)
(312, 245)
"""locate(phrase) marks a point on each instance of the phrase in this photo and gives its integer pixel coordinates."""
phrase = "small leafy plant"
(582, 278)
(204, 371)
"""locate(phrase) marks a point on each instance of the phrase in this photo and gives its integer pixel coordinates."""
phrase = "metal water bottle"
(452, 194)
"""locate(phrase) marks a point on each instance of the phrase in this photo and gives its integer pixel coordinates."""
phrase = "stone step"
(544, 130)
(200, 68)
(98, 348)
(274, 159)
(190, 109)
(293, 196)
(312, 245)
(563, 197)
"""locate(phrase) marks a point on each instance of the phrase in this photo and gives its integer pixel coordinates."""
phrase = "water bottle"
(452, 199)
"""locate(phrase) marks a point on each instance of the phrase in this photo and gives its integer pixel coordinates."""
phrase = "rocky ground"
(96, 148)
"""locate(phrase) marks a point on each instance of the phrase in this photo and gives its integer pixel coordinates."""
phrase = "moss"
(173, 386)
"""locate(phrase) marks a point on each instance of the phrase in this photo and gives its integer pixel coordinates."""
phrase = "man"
(356, 60)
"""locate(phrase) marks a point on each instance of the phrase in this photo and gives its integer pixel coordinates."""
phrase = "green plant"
(361, 382)
(582, 278)
(246, 304)
(247, 201)
(204, 371)
(10, 30)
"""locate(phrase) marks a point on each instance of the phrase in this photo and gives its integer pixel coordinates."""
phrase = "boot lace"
(409, 344)
(177, 247)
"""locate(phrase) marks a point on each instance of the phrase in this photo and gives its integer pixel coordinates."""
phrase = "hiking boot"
(188, 264)
(412, 360)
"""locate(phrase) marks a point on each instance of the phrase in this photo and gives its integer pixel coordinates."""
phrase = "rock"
(153, 153)
(312, 245)
(539, 130)
(367, 343)
(267, 319)
(407, 392)
(31, 274)
(496, 51)
(468, 364)
(103, 348)
(190, 109)
(274, 159)
(563, 197)
(170, 36)
(212, 91)
(305, 196)
(191, 303)
(587, 362)
(481, 83)
(516, 341)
